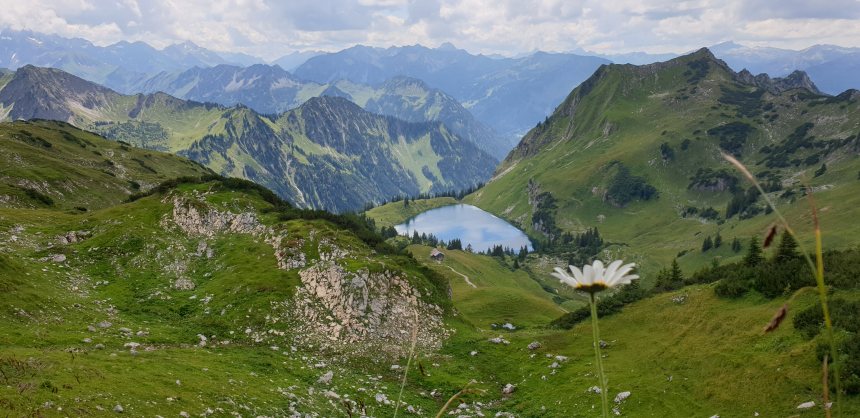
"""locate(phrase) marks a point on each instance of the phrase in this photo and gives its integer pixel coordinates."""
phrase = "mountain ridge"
(644, 139)
(294, 153)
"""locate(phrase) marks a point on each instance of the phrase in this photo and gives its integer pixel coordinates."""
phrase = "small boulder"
(499, 340)
(331, 395)
(508, 389)
(534, 345)
(118, 409)
(621, 397)
(806, 405)
(381, 398)
(326, 378)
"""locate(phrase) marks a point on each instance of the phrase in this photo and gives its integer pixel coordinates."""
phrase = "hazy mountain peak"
(447, 46)
(185, 46)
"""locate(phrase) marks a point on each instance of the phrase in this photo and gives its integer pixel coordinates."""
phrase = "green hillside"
(211, 296)
(197, 295)
(48, 164)
(682, 353)
(635, 152)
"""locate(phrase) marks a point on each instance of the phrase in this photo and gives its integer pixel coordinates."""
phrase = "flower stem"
(595, 331)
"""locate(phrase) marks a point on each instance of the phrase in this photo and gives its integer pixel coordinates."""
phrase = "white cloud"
(270, 28)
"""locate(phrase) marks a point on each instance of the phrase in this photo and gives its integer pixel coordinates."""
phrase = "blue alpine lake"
(470, 224)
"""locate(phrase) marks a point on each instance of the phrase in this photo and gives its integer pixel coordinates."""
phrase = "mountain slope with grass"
(49, 164)
(208, 295)
(635, 151)
(189, 295)
(307, 155)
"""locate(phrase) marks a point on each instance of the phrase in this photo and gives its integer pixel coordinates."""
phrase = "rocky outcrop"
(795, 80)
(335, 308)
(194, 217)
(382, 310)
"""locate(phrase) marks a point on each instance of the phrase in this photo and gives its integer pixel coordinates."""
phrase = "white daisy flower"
(594, 277)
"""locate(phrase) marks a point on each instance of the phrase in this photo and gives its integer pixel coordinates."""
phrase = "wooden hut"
(437, 255)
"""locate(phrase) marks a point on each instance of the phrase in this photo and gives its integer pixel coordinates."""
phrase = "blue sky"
(270, 28)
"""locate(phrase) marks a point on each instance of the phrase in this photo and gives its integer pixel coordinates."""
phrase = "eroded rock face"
(194, 217)
(335, 308)
(379, 309)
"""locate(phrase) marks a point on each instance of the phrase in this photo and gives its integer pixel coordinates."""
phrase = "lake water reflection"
(468, 223)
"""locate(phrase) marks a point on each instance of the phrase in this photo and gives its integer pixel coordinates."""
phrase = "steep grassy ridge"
(624, 151)
(55, 165)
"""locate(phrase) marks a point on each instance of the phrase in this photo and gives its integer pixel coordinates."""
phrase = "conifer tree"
(787, 248)
(736, 245)
(754, 255)
(707, 244)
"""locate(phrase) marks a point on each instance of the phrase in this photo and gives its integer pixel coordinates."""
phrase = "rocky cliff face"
(795, 80)
(46, 93)
(334, 308)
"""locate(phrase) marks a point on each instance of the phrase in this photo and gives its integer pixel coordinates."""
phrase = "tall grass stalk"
(408, 363)
(816, 266)
(455, 397)
(595, 334)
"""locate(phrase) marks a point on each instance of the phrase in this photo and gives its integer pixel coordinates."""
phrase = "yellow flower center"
(593, 288)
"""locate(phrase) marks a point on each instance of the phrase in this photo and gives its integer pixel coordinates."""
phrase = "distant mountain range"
(115, 65)
(508, 94)
(328, 153)
(270, 89)
(505, 96)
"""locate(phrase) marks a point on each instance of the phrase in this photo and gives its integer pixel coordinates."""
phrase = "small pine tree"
(718, 240)
(406, 202)
(516, 264)
(707, 244)
(675, 272)
(670, 278)
(787, 248)
(754, 255)
(736, 245)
